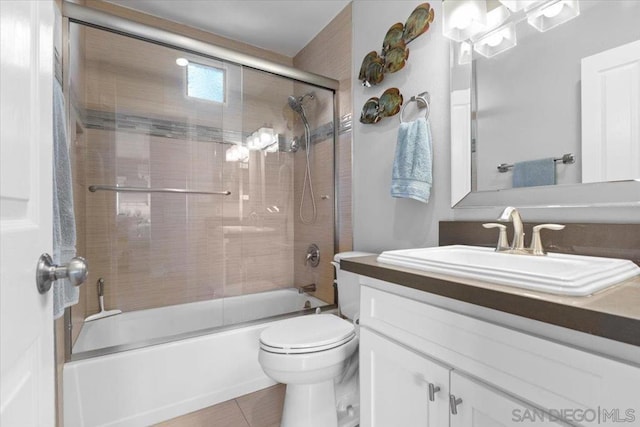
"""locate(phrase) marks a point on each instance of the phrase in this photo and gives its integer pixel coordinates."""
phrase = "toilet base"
(310, 405)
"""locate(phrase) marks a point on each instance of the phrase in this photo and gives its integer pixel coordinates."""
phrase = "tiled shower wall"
(181, 248)
(328, 54)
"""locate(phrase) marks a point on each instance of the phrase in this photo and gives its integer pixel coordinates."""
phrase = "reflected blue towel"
(534, 172)
(412, 176)
(64, 221)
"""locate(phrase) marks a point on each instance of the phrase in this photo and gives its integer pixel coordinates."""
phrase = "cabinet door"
(480, 405)
(394, 385)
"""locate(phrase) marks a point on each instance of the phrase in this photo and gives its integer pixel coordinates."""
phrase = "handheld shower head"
(295, 102)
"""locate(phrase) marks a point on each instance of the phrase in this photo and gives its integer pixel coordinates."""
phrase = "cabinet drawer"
(548, 374)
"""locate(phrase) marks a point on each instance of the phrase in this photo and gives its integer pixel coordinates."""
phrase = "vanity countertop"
(613, 313)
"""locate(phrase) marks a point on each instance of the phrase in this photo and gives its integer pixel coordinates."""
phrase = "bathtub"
(194, 355)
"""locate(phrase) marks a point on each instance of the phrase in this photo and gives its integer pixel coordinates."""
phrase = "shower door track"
(106, 21)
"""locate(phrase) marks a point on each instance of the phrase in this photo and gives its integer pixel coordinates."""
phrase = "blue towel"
(534, 172)
(412, 177)
(64, 221)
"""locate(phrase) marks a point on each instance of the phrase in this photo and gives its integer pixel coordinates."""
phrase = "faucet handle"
(536, 241)
(503, 243)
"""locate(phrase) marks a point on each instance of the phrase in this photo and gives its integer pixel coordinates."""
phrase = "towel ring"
(423, 100)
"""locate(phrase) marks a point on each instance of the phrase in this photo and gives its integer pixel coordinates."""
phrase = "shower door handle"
(47, 272)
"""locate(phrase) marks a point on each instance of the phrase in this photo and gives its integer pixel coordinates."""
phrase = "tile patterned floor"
(260, 409)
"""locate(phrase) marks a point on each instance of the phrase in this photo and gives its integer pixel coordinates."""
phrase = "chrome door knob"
(47, 272)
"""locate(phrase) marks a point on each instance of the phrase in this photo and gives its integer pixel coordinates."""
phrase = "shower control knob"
(47, 272)
(313, 255)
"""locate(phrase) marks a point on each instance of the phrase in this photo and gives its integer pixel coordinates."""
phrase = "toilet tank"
(348, 286)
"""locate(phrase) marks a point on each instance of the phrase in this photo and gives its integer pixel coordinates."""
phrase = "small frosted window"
(205, 82)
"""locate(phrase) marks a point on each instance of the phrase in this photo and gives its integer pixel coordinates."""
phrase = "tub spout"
(307, 288)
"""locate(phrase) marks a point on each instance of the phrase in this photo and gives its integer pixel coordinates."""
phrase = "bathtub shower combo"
(201, 177)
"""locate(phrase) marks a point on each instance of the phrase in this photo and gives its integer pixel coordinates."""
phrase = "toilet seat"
(307, 334)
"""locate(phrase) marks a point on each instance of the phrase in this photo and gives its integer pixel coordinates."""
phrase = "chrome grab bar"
(94, 188)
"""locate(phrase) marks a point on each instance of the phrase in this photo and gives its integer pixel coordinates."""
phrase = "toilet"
(316, 357)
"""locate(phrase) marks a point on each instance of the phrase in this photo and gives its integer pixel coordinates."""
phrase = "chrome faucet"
(517, 244)
(511, 214)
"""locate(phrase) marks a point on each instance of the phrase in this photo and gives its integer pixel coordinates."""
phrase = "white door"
(394, 385)
(611, 114)
(479, 405)
(26, 322)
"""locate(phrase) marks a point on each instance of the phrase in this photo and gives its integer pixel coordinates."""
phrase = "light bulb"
(553, 10)
(495, 39)
(266, 136)
(253, 141)
(231, 155)
(461, 18)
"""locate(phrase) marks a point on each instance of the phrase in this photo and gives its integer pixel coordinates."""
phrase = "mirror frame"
(600, 194)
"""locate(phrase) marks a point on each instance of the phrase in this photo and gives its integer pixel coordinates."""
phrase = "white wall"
(380, 221)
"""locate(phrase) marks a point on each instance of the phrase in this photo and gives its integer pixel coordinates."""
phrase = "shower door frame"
(74, 13)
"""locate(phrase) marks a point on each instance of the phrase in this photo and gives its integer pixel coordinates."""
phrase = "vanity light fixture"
(490, 27)
(253, 142)
(263, 139)
(237, 153)
(463, 19)
(273, 147)
(496, 41)
(499, 36)
(266, 136)
(497, 14)
(552, 13)
(518, 5)
(270, 140)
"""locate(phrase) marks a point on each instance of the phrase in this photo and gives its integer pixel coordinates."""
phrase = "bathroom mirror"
(572, 90)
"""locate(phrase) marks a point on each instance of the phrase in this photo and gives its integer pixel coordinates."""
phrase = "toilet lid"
(305, 334)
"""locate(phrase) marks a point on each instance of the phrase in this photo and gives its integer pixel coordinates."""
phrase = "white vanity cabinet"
(400, 387)
(502, 376)
(479, 405)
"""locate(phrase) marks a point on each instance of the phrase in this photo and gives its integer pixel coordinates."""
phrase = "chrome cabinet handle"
(433, 389)
(453, 404)
(47, 272)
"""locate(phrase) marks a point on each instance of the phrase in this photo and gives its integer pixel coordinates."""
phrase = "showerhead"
(295, 102)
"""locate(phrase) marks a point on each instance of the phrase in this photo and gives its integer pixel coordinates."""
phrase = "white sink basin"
(560, 274)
